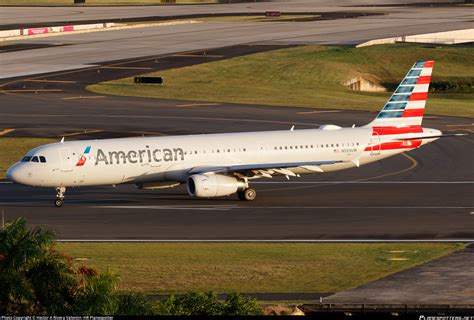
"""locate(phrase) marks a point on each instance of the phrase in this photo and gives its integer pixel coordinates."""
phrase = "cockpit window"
(26, 159)
(42, 159)
(35, 159)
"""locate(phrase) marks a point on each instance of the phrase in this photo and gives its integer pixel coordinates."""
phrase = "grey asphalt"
(448, 280)
(28, 15)
(427, 195)
(79, 50)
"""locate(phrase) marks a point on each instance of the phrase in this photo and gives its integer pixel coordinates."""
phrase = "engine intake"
(213, 185)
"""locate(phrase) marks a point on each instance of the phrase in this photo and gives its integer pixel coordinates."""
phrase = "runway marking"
(277, 241)
(318, 111)
(83, 97)
(322, 184)
(413, 166)
(363, 182)
(198, 56)
(225, 207)
(5, 182)
(185, 207)
(31, 90)
(81, 132)
(49, 81)
(126, 68)
(461, 125)
(198, 105)
(6, 131)
(163, 117)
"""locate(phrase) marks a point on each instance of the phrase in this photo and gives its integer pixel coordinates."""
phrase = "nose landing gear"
(59, 196)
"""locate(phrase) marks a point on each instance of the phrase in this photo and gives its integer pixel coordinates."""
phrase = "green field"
(312, 76)
(13, 149)
(98, 2)
(153, 268)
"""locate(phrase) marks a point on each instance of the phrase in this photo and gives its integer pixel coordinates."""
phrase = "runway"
(75, 51)
(424, 195)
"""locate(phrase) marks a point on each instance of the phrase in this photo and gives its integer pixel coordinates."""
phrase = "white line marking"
(272, 240)
(363, 182)
(171, 207)
(5, 182)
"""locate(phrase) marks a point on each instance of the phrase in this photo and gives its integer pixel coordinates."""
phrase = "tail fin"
(406, 106)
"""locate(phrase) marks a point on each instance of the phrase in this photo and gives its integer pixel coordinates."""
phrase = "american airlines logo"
(82, 159)
(139, 156)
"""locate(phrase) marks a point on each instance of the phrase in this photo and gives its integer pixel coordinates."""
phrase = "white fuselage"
(148, 160)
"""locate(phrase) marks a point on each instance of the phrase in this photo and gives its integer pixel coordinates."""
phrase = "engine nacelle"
(213, 185)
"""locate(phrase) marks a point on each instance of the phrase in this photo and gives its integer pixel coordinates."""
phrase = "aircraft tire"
(247, 194)
(58, 202)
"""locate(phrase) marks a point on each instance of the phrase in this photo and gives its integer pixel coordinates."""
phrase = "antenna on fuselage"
(62, 140)
(292, 128)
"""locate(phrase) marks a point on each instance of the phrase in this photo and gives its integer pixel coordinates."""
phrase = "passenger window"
(42, 159)
(35, 159)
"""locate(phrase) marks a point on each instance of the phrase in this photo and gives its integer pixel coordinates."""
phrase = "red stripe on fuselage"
(424, 80)
(418, 96)
(394, 130)
(413, 113)
(394, 145)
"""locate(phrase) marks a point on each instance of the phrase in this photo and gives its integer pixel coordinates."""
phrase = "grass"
(13, 149)
(97, 2)
(158, 268)
(310, 76)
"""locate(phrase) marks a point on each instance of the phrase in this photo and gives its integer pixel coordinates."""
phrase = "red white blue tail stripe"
(406, 106)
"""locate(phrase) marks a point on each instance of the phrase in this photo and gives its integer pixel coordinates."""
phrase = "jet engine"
(213, 185)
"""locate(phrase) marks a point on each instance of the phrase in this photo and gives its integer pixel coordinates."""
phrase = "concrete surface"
(448, 280)
(82, 50)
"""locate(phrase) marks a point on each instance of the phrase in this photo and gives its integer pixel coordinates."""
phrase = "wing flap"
(267, 168)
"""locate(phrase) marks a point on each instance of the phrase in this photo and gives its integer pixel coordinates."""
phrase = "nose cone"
(16, 173)
(11, 173)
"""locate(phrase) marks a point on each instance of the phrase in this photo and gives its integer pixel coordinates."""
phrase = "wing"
(267, 170)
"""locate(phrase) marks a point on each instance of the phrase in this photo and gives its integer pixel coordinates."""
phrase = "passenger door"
(66, 159)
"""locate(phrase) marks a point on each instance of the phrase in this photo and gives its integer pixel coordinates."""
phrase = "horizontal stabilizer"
(433, 137)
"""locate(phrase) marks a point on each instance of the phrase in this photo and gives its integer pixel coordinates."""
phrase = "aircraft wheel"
(247, 194)
(58, 202)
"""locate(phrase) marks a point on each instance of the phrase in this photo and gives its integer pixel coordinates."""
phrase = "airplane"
(214, 165)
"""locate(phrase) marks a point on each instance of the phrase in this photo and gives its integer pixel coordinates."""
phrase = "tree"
(35, 279)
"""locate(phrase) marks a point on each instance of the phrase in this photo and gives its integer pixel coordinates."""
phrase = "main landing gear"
(247, 194)
(59, 196)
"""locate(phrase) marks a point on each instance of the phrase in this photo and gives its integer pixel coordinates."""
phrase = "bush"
(207, 304)
(37, 280)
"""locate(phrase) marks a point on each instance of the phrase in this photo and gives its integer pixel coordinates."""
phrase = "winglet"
(62, 140)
